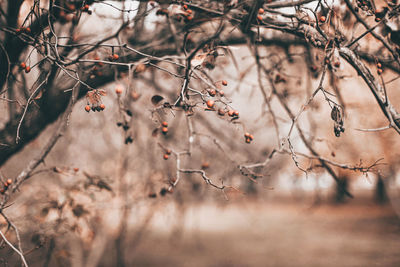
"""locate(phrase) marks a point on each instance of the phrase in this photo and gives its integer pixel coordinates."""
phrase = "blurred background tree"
(111, 107)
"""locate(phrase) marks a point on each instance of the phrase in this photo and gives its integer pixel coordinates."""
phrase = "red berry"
(210, 104)
(118, 90)
(87, 108)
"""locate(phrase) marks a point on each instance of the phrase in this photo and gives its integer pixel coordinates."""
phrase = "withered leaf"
(94, 96)
(102, 92)
(336, 114)
(79, 210)
(103, 185)
(156, 99)
(198, 60)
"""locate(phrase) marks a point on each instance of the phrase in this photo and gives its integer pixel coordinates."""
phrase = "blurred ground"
(273, 234)
(241, 232)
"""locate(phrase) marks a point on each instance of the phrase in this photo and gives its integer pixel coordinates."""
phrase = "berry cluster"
(188, 13)
(248, 137)
(164, 128)
(167, 154)
(100, 107)
(379, 66)
(23, 66)
(93, 99)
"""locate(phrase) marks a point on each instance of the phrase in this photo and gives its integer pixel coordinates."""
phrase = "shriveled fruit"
(152, 195)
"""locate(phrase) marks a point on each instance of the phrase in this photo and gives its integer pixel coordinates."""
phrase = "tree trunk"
(380, 191)
(342, 186)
